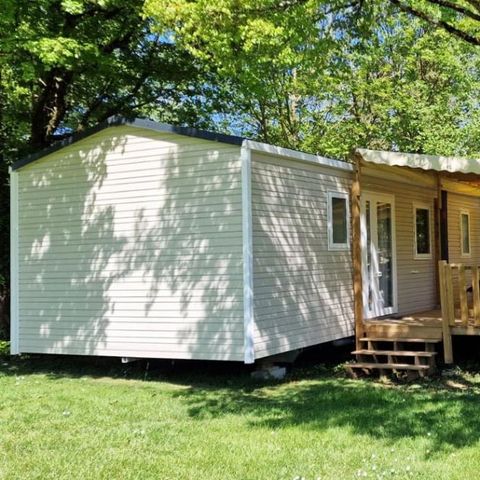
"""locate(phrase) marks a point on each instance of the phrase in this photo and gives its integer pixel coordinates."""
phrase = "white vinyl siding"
(415, 278)
(130, 244)
(302, 292)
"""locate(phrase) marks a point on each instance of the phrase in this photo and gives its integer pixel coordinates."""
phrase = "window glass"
(339, 220)
(422, 231)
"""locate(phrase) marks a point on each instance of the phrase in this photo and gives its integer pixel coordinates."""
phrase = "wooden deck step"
(399, 339)
(396, 353)
(388, 366)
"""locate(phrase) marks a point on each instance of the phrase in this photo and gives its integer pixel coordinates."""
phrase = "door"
(378, 255)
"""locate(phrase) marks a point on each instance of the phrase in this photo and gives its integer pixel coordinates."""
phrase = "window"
(338, 221)
(465, 233)
(422, 217)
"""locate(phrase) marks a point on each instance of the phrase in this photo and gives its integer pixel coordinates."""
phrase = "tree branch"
(437, 22)
(457, 8)
(475, 4)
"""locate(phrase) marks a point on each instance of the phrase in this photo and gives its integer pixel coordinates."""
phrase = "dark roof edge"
(137, 122)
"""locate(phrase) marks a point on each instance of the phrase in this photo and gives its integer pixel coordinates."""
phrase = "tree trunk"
(49, 109)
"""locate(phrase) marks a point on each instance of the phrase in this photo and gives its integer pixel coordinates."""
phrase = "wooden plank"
(395, 353)
(436, 242)
(449, 300)
(443, 239)
(476, 295)
(357, 255)
(387, 366)
(405, 340)
(443, 268)
(462, 287)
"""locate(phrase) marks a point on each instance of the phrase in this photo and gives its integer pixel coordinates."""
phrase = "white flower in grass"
(66, 413)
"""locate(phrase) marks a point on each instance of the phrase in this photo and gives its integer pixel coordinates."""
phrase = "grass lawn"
(67, 418)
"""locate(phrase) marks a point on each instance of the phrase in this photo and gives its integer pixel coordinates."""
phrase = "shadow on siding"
(125, 262)
(303, 293)
(67, 242)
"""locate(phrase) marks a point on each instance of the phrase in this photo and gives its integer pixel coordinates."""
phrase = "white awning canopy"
(425, 162)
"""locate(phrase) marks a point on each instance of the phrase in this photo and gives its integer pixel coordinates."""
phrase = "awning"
(425, 162)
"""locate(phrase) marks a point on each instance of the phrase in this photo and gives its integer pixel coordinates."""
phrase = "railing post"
(462, 290)
(476, 295)
(446, 300)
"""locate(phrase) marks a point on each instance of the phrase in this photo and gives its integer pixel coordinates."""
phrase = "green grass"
(83, 419)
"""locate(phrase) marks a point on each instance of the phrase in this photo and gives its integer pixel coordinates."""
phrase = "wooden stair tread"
(399, 353)
(388, 366)
(397, 339)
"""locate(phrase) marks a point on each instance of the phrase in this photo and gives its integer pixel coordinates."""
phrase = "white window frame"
(416, 255)
(331, 245)
(469, 253)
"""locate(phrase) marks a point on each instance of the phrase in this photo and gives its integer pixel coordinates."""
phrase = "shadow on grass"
(447, 419)
(443, 410)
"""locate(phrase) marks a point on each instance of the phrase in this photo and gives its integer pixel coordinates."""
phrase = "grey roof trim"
(137, 122)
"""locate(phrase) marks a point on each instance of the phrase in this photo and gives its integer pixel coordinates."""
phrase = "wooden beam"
(456, 186)
(357, 255)
(444, 253)
(443, 268)
(476, 295)
(449, 294)
(462, 290)
(437, 245)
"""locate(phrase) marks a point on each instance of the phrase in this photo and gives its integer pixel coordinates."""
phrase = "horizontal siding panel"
(119, 178)
(188, 214)
(32, 326)
(283, 167)
(293, 343)
(129, 237)
(192, 207)
(140, 337)
(299, 287)
(130, 193)
(139, 277)
(228, 353)
(226, 198)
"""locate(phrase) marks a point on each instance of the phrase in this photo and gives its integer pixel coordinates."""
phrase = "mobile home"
(139, 239)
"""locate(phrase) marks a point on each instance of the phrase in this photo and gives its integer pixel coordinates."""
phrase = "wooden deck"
(426, 325)
(459, 288)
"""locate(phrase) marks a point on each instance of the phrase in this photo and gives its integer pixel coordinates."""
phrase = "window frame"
(332, 246)
(469, 253)
(416, 255)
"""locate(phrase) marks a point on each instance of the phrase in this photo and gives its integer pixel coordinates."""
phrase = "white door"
(378, 255)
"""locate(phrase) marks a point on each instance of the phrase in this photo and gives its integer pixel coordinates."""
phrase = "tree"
(69, 64)
(328, 76)
(458, 17)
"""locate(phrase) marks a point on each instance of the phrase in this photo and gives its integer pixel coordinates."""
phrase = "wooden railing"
(456, 282)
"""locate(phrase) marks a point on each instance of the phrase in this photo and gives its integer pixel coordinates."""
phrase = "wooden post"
(443, 267)
(357, 256)
(449, 295)
(476, 295)
(437, 247)
(462, 288)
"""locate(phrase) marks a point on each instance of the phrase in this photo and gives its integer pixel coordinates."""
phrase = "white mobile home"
(139, 239)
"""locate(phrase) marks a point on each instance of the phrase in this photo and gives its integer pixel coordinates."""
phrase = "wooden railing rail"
(449, 300)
